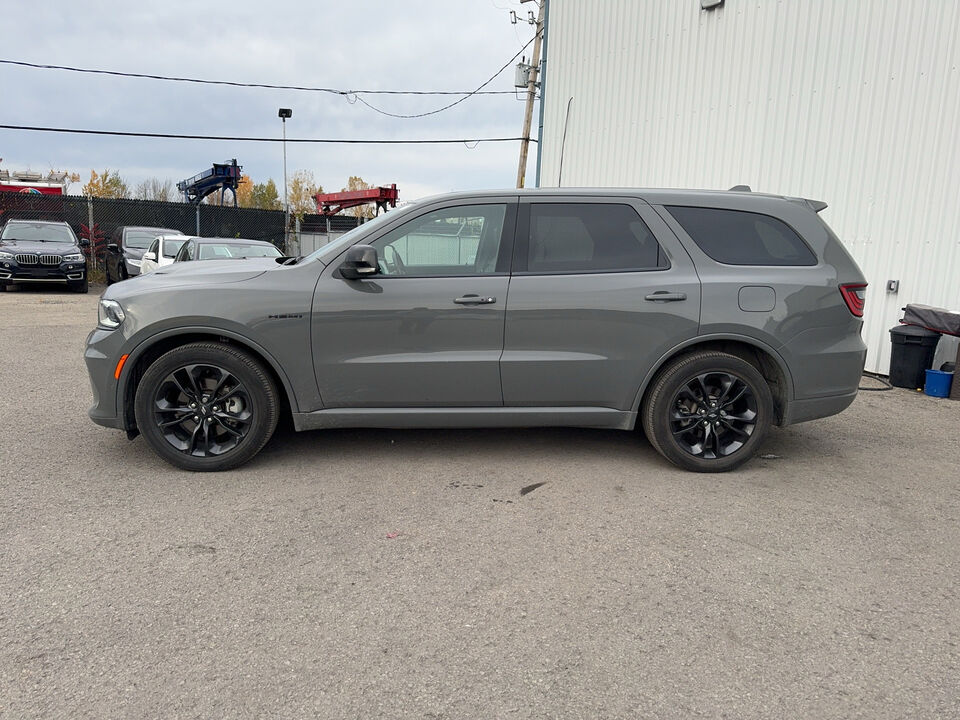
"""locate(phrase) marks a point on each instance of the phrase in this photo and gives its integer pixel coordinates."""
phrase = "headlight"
(6, 256)
(110, 314)
(135, 263)
(76, 257)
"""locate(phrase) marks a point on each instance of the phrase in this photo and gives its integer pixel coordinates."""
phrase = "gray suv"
(705, 317)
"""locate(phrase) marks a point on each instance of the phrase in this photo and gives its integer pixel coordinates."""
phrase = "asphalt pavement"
(468, 574)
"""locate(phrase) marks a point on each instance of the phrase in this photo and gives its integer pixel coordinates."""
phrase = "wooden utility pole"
(531, 96)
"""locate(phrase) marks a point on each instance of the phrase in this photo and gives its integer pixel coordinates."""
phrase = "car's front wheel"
(206, 406)
(708, 411)
(80, 286)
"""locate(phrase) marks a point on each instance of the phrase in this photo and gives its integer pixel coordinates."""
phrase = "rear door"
(601, 289)
(427, 330)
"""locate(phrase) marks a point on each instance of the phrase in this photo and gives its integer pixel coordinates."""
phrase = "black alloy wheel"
(202, 410)
(206, 406)
(714, 414)
(707, 411)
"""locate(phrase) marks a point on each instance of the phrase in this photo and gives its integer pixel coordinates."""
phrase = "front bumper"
(133, 266)
(63, 273)
(103, 351)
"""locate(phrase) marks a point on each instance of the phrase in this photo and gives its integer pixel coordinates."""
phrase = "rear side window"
(590, 237)
(735, 237)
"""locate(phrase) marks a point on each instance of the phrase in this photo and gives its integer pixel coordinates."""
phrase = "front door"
(427, 329)
(600, 290)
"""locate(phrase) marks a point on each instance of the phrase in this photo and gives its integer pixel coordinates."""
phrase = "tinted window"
(735, 237)
(594, 237)
(454, 241)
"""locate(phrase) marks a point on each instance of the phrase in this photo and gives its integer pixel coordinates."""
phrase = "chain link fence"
(97, 218)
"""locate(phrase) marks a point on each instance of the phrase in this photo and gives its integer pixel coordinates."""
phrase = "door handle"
(475, 300)
(664, 296)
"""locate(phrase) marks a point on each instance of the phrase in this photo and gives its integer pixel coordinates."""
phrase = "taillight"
(854, 295)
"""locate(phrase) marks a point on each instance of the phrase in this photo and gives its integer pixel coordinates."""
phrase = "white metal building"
(854, 102)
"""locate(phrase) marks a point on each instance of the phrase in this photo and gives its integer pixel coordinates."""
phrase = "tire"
(245, 404)
(79, 287)
(723, 390)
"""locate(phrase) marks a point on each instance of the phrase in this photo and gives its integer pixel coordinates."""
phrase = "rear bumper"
(799, 411)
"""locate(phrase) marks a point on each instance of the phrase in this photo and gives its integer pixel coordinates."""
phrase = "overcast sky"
(381, 44)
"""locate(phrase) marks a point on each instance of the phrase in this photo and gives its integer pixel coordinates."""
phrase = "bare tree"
(155, 189)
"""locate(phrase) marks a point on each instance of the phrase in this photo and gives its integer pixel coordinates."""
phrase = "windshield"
(222, 250)
(171, 246)
(39, 232)
(141, 239)
(334, 248)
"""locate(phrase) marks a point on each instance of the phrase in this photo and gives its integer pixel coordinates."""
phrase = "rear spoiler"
(815, 205)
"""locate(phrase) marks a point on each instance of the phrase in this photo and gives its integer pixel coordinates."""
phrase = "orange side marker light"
(116, 373)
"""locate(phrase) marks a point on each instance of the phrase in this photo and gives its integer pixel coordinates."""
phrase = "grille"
(50, 259)
(28, 259)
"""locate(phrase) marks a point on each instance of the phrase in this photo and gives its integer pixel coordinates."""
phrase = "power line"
(455, 102)
(332, 91)
(331, 141)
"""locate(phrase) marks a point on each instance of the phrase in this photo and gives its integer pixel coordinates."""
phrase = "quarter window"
(590, 237)
(461, 240)
(735, 237)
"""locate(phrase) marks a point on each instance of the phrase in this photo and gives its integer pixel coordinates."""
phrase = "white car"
(162, 251)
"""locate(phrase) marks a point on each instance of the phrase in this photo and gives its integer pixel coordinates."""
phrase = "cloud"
(416, 44)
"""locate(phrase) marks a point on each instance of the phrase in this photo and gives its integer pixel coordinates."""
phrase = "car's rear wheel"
(708, 411)
(206, 406)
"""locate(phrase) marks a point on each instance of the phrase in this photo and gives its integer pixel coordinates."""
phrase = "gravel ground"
(358, 574)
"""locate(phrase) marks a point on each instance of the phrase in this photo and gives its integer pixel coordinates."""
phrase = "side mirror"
(113, 247)
(361, 262)
(84, 242)
(149, 256)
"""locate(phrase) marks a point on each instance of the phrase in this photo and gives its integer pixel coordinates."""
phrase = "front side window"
(172, 247)
(462, 240)
(735, 237)
(590, 237)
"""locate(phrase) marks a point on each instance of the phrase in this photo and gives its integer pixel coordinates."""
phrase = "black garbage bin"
(912, 354)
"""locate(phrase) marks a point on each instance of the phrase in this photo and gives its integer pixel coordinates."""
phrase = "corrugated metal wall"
(855, 102)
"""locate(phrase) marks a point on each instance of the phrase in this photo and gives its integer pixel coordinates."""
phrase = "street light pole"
(285, 113)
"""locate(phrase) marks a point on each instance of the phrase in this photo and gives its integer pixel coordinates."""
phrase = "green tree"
(265, 196)
(107, 184)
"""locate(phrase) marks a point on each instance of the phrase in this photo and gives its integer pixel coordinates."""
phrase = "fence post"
(198, 219)
(297, 234)
(90, 233)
